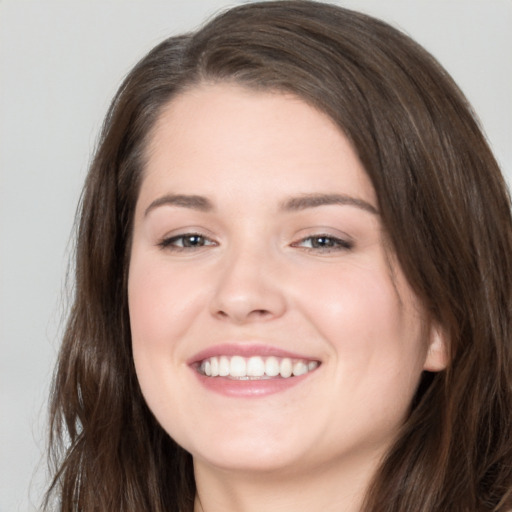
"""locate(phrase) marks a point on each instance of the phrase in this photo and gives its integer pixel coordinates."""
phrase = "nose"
(248, 288)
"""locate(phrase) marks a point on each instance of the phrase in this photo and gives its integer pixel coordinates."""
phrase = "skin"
(259, 273)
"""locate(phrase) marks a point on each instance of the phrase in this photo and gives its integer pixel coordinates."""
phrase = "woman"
(293, 281)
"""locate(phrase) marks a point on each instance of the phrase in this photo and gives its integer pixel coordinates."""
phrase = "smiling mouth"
(255, 367)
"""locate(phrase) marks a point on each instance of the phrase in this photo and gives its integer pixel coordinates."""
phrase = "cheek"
(162, 304)
(372, 323)
(161, 301)
(160, 308)
(378, 344)
(352, 299)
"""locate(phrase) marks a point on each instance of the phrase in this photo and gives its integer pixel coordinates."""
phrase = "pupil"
(192, 241)
(322, 241)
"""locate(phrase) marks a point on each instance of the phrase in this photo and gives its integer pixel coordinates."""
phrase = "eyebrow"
(184, 201)
(302, 202)
(315, 200)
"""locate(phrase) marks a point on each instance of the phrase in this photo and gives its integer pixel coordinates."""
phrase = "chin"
(244, 446)
(249, 460)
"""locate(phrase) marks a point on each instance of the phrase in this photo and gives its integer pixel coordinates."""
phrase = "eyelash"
(171, 242)
(324, 243)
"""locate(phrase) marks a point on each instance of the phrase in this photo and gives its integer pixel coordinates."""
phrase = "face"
(271, 327)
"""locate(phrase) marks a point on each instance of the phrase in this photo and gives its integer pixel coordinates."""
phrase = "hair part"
(445, 209)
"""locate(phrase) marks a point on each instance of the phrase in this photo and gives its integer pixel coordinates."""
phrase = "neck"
(328, 489)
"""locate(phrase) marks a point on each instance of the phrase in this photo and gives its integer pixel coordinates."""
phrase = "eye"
(324, 243)
(186, 241)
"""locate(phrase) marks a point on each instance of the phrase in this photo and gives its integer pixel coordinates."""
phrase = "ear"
(438, 349)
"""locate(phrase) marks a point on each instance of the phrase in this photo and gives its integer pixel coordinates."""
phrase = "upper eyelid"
(343, 241)
(187, 231)
(167, 240)
(324, 231)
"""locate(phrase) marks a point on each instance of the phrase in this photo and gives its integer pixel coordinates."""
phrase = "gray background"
(60, 63)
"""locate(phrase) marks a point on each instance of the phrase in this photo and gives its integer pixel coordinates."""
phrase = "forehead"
(224, 137)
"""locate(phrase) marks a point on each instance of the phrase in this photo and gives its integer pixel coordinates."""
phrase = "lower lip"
(249, 388)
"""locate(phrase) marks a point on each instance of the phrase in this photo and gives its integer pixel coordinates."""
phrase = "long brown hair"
(444, 205)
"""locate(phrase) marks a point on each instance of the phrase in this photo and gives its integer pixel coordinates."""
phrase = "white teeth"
(285, 368)
(272, 367)
(223, 366)
(214, 366)
(238, 367)
(255, 367)
(299, 368)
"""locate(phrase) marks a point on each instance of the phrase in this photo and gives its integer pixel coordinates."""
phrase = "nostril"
(244, 316)
(244, 300)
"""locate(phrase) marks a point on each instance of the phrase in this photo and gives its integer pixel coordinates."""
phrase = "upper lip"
(246, 350)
